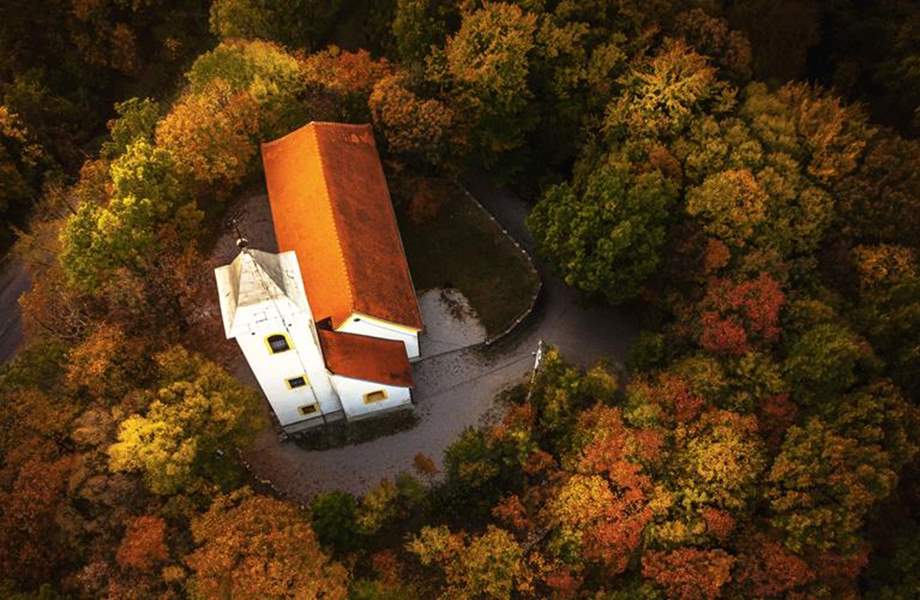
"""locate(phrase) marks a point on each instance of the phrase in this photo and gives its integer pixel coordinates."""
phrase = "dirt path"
(14, 280)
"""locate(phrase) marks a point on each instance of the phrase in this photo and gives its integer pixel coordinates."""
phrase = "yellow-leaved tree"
(194, 419)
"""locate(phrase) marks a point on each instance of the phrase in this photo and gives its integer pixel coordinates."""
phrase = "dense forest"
(744, 174)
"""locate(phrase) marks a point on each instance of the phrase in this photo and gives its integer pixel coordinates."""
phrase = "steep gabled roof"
(330, 204)
(366, 358)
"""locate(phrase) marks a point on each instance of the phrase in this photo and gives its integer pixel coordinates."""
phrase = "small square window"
(278, 343)
(309, 409)
(297, 382)
(373, 397)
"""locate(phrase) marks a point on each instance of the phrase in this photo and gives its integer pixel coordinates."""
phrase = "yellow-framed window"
(373, 397)
(308, 409)
(297, 382)
(278, 343)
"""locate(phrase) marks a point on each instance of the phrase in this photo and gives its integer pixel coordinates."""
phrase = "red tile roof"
(366, 358)
(330, 204)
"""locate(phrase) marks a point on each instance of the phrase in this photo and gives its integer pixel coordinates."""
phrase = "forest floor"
(454, 390)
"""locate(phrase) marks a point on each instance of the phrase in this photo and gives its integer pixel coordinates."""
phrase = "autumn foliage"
(761, 441)
(144, 543)
(689, 573)
(737, 317)
(255, 546)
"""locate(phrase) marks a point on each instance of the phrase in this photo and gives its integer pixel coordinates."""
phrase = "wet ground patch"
(452, 243)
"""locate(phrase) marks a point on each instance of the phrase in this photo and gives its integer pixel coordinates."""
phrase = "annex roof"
(366, 358)
(330, 204)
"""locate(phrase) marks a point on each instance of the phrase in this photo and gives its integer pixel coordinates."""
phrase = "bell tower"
(265, 308)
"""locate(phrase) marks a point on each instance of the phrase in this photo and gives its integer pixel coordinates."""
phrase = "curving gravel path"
(455, 390)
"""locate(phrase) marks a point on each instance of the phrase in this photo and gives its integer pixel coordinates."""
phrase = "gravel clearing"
(450, 322)
(454, 389)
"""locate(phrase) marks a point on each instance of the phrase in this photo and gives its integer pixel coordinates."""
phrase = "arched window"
(278, 343)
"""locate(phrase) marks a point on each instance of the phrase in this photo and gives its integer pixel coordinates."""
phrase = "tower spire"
(241, 242)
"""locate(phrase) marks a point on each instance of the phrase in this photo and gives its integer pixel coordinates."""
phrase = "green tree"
(334, 519)
(136, 119)
(262, 68)
(127, 231)
(559, 395)
(890, 317)
(823, 361)
(385, 504)
(298, 24)
(487, 62)
(478, 470)
(711, 146)
(607, 239)
(878, 415)
(418, 25)
(822, 484)
(272, 77)
(193, 422)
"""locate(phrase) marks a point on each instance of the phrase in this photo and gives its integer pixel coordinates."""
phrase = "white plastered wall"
(273, 370)
(270, 300)
(364, 325)
(352, 391)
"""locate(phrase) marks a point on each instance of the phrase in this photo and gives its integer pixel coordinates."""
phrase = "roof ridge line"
(335, 225)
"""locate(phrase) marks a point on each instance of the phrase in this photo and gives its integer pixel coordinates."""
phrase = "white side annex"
(265, 308)
(362, 324)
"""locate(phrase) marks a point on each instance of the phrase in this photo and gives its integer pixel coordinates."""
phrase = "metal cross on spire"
(241, 242)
